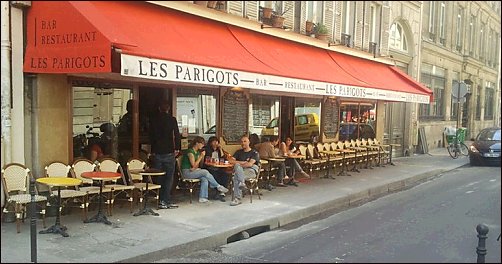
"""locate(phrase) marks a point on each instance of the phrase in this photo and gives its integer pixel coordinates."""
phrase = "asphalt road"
(432, 222)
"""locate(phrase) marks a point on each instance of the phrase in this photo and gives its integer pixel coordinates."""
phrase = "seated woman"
(214, 151)
(190, 163)
(288, 148)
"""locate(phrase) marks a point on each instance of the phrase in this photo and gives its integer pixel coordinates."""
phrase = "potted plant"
(212, 4)
(278, 19)
(309, 25)
(321, 31)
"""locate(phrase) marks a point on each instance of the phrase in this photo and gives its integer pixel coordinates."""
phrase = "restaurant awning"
(165, 44)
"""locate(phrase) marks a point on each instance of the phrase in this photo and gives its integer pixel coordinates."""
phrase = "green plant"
(320, 29)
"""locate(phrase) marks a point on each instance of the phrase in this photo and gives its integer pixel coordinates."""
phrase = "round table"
(100, 176)
(58, 182)
(147, 172)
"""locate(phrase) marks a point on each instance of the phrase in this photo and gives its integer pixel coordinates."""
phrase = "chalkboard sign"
(330, 118)
(235, 116)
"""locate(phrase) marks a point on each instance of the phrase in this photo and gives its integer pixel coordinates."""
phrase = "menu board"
(235, 116)
(330, 118)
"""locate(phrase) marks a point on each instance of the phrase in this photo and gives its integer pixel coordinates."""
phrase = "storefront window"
(307, 119)
(196, 115)
(264, 120)
(102, 125)
(357, 120)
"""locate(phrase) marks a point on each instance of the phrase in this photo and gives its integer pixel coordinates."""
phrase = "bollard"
(481, 249)
(33, 222)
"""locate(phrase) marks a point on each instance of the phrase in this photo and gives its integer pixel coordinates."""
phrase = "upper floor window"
(482, 42)
(472, 34)
(442, 18)
(458, 32)
(398, 38)
(348, 17)
(315, 11)
(375, 22)
(432, 19)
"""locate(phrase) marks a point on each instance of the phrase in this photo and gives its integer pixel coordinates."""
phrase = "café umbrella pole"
(33, 222)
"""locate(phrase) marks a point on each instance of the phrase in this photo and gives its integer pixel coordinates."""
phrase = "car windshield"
(489, 134)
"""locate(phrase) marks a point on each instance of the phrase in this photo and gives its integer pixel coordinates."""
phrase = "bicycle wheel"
(452, 150)
(463, 149)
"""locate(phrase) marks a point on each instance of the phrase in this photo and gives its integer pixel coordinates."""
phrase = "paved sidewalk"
(196, 226)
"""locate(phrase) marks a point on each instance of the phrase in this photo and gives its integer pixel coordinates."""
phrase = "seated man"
(246, 165)
(267, 150)
(215, 152)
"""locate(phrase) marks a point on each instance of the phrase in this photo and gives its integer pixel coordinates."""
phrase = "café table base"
(56, 229)
(98, 218)
(146, 211)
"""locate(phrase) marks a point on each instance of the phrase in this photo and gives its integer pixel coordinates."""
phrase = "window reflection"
(264, 119)
(357, 121)
(196, 115)
(307, 119)
(99, 116)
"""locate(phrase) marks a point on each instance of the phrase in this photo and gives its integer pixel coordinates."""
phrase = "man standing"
(166, 142)
(246, 162)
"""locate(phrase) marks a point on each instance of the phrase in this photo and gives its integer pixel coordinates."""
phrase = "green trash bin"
(461, 134)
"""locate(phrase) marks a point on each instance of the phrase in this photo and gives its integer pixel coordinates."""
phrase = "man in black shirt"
(246, 165)
(166, 142)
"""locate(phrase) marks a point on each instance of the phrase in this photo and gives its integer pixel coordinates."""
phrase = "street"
(432, 222)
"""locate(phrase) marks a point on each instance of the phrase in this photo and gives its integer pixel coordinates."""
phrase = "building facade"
(83, 90)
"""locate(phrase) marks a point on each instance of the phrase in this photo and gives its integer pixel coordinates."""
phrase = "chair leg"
(191, 190)
(42, 212)
(18, 217)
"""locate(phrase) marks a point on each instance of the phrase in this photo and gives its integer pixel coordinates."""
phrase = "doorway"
(394, 126)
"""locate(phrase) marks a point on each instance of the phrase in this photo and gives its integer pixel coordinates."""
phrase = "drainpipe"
(6, 80)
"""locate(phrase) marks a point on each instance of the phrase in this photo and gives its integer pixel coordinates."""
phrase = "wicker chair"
(80, 166)
(111, 165)
(15, 179)
(59, 169)
(136, 180)
(190, 184)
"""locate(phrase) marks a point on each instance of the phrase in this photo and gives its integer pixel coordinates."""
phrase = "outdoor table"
(329, 153)
(147, 172)
(221, 165)
(100, 176)
(59, 182)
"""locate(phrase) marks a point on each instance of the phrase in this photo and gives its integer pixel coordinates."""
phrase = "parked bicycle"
(456, 146)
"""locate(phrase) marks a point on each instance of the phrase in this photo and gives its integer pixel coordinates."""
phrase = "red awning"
(77, 37)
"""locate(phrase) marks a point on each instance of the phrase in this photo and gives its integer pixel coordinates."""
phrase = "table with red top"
(100, 176)
(59, 182)
(147, 172)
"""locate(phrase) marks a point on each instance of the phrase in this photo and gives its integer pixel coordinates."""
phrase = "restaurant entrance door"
(287, 117)
(394, 126)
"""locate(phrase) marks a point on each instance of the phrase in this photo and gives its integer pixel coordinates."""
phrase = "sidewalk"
(197, 226)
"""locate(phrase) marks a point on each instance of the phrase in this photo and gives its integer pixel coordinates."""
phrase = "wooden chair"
(309, 163)
(61, 170)
(190, 184)
(252, 185)
(137, 180)
(317, 161)
(117, 188)
(80, 166)
(15, 182)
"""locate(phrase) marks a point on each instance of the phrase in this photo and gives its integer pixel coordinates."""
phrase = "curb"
(292, 218)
